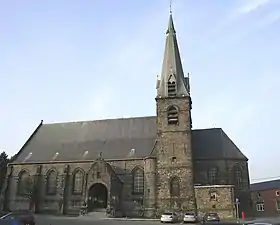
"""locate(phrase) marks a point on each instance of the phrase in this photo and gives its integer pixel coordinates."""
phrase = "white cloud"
(252, 5)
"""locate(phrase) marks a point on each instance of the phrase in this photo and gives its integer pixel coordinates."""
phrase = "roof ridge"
(210, 128)
(99, 120)
(268, 181)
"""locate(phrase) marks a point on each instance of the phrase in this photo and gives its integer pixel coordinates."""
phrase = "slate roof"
(115, 138)
(266, 185)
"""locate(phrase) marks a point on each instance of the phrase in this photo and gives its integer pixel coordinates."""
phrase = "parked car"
(190, 217)
(169, 217)
(211, 217)
(25, 217)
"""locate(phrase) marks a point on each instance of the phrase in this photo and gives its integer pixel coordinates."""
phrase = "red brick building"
(266, 198)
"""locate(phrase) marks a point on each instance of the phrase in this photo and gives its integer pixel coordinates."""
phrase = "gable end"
(28, 140)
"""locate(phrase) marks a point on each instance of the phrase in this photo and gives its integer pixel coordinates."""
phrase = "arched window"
(213, 176)
(51, 182)
(78, 181)
(172, 115)
(174, 187)
(138, 181)
(24, 183)
(238, 177)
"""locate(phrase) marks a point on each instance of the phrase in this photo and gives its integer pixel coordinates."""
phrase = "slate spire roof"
(172, 69)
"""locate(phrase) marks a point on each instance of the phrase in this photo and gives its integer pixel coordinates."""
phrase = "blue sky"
(93, 59)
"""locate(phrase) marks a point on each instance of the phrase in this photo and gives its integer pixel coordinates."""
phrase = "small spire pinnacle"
(170, 7)
(170, 28)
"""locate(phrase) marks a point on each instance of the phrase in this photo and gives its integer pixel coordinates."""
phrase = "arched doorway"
(97, 197)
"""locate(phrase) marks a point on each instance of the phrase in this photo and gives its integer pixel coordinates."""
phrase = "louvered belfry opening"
(172, 115)
(171, 87)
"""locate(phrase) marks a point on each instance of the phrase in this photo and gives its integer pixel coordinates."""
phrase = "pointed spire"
(171, 28)
(172, 82)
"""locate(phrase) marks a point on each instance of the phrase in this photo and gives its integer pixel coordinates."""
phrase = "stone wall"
(130, 202)
(174, 156)
(72, 203)
(150, 187)
(224, 177)
(216, 198)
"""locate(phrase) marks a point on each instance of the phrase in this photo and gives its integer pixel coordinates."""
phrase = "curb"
(130, 219)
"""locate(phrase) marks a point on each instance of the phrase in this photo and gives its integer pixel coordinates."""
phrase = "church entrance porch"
(97, 197)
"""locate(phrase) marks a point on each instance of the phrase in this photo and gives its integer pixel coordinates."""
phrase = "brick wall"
(266, 202)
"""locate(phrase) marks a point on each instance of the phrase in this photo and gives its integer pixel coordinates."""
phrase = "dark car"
(23, 217)
(9, 222)
(264, 223)
(211, 217)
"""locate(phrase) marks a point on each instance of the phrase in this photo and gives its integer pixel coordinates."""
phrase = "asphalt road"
(50, 220)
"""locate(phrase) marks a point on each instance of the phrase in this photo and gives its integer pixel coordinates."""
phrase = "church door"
(97, 197)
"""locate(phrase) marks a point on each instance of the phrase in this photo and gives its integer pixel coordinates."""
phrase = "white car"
(190, 217)
(169, 217)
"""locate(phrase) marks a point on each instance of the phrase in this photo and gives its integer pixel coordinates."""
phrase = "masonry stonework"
(174, 156)
(216, 198)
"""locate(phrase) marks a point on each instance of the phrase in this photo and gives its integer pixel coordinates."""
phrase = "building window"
(238, 177)
(213, 175)
(260, 207)
(172, 115)
(78, 182)
(51, 182)
(24, 184)
(174, 187)
(277, 193)
(278, 205)
(213, 196)
(138, 181)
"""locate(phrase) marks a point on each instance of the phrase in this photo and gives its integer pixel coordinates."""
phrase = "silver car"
(169, 217)
(190, 217)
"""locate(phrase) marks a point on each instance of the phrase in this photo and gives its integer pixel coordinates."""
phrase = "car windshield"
(190, 214)
(167, 214)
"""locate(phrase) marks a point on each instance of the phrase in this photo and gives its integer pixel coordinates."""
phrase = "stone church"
(138, 167)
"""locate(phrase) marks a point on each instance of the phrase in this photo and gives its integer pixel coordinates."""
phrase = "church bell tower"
(174, 183)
